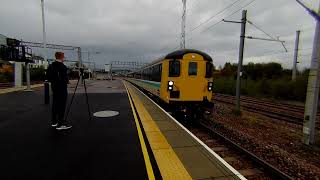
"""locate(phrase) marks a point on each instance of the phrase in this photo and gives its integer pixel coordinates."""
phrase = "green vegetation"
(6, 77)
(262, 80)
(36, 74)
(7, 74)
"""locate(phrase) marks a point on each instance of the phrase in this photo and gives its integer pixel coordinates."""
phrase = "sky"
(143, 30)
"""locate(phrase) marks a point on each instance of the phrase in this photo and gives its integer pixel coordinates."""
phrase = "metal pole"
(93, 72)
(312, 91)
(183, 25)
(80, 63)
(241, 49)
(79, 57)
(44, 36)
(111, 71)
(17, 74)
(46, 83)
(89, 65)
(295, 59)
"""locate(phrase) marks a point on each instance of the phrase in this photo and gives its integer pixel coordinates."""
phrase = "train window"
(160, 72)
(209, 68)
(192, 69)
(174, 68)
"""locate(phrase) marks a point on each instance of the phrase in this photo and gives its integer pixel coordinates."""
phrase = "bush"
(282, 88)
(224, 85)
(6, 77)
(36, 74)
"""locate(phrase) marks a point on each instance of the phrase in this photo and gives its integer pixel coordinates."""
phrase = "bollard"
(46, 92)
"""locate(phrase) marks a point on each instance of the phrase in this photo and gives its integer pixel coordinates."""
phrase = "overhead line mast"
(183, 25)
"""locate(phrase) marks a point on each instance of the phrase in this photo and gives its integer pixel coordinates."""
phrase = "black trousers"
(59, 100)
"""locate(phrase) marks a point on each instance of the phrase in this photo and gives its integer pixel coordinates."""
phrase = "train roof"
(180, 53)
(177, 55)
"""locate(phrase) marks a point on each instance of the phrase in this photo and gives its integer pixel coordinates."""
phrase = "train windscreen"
(174, 68)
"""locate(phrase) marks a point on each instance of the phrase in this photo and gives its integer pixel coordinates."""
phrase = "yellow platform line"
(141, 139)
(168, 162)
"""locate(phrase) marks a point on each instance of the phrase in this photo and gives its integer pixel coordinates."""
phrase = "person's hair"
(59, 55)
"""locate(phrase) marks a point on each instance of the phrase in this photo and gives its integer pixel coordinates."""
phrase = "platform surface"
(166, 136)
(142, 142)
(104, 148)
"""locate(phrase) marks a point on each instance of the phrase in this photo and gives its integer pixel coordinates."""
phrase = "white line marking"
(234, 171)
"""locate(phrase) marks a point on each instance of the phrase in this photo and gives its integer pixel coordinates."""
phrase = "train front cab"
(187, 79)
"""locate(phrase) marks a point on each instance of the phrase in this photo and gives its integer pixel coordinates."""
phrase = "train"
(182, 81)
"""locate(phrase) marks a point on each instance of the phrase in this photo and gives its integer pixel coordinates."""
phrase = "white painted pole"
(44, 38)
(28, 76)
(312, 98)
(17, 74)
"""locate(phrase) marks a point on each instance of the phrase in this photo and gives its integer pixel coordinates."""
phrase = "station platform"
(142, 142)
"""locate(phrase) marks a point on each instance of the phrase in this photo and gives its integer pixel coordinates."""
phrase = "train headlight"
(210, 84)
(170, 85)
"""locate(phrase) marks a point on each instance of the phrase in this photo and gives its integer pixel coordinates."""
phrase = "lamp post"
(46, 83)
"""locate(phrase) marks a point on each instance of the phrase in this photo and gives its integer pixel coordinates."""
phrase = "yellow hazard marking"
(168, 162)
(142, 143)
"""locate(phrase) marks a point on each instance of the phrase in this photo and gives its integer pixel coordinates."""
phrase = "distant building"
(3, 40)
(38, 61)
(35, 61)
(5, 66)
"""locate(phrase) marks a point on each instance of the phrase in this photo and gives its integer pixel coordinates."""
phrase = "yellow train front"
(182, 80)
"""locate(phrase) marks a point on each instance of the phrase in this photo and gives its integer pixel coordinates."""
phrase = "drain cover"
(105, 113)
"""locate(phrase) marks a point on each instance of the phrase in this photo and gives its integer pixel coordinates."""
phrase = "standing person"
(58, 77)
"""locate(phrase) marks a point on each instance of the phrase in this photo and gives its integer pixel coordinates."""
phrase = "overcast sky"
(141, 30)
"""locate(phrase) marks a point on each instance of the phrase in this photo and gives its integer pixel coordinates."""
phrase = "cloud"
(141, 30)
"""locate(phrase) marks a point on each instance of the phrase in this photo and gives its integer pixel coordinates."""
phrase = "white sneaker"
(54, 125)
(63, 127)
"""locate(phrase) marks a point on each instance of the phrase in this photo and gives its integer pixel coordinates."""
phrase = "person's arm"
(68, 73)
(64, 75)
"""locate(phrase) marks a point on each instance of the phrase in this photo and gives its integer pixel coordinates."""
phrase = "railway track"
(280, 111)
(245, 162)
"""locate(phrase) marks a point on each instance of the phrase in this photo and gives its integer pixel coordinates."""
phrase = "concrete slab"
(166, 125)
(104, 148)
(178, 139)
(197, 163)
(197, 160)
